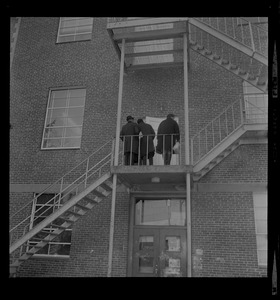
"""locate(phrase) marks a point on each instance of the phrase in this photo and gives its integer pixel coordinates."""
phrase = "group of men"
(167, 136)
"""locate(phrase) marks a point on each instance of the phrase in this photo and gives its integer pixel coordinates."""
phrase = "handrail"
(81, 178)
(250, 36)
(60, 179)
(228, 121)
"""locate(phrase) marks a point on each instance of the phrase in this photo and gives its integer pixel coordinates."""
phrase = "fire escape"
(236, 44)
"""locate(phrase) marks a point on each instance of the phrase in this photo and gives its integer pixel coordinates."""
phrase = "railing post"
(112, 153)
(252, 38)
(233, 121)
(191, 151)
(226, 122)
(234, 36)
(241, 111)
(86, 173)
(213, 134)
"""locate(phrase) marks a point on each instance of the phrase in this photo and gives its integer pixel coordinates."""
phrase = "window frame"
(75, 34)
(49, 228)
(255, 195)
(67, 89)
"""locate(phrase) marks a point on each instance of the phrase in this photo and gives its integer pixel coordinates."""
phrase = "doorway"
(158, 240)
(159, 252)
(158, 160)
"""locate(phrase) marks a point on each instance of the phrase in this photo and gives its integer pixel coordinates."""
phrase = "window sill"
(45, 256)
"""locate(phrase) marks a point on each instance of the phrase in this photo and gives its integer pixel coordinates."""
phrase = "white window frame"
(260, 202)
(74, 36)
(50, 108)
(49, 228)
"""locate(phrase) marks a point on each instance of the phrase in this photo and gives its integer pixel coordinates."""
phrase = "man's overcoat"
(168, 133)
(130, 143)
(148, 133)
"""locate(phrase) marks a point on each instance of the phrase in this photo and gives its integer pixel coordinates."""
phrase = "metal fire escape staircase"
(239, 45)
(224, 134)
(75, 194)
(236, 44)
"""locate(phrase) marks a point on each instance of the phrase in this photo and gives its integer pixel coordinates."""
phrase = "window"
(64, 119)
(256, 104)
(160, 212)
(43, 206)
(260, 208)
(74, 29)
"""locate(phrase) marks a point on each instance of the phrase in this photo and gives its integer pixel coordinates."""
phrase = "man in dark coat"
(130, 136)
(167, 136)
(147, 149)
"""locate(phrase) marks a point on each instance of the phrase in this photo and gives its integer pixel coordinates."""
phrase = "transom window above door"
(165, 212)
(64, 119)
(74, 29)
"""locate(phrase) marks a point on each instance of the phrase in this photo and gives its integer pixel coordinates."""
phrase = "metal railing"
(150, 149)
(228, 53)
(69, 185)
(228, 121)
(241, 30)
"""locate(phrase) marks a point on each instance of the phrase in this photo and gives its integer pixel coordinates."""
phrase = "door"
(159, 252)
(158, 160)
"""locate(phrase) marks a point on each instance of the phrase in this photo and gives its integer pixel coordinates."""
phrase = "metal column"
(116, 161)
(187, 151)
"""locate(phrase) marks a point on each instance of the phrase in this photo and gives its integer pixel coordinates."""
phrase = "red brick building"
(75, 209)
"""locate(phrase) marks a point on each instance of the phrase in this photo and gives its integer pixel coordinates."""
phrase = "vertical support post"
(252, 38)
(112, 225)
(118, 127)
(187, 152)
(116, 161)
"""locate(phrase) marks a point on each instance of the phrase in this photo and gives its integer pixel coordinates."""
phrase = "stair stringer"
(239, 46)
(218, 153)
(57, 214)
(226, 64)
(223, 149)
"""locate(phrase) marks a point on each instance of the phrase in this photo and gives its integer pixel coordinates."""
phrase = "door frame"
(144, 195)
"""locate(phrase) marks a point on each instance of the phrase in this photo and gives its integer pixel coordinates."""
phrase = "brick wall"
(246, 164)
(223, 235)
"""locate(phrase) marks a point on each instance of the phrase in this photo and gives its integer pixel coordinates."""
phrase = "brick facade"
(223, 223)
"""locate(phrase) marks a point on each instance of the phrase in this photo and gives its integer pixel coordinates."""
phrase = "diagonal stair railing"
(224, 49)
(241, 30)
(225, 124)
(69, 185)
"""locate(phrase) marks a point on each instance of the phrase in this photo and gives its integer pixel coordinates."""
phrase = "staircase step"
(50, 232)
(92, 201)
(82, 207)
(225, 62)
(98, 194)
(71, 212)
(233, 67)
(58, 226)
(216, 57)
(67, 220)
(106, 187)
(242, 72)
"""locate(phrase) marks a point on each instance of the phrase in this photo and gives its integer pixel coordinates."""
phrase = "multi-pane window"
(256, 104)
(43, 206)
(260, 208)
(64, 119)
(74, 29)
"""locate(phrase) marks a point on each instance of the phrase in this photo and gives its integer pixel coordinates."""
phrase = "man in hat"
(167, 136)
(147, 149)
(130, 136)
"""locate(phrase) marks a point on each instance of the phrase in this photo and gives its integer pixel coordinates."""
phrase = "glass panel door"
(159, 252)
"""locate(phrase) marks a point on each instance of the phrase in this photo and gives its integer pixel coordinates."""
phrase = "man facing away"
(168, 135)
(130, 136)
(147, 149)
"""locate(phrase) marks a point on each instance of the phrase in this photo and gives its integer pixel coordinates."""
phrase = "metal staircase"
(222, 135)
(235, 44)
(76, 193)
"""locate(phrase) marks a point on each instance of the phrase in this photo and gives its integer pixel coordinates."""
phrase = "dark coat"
(166, 128)
(130, 144)
(148, 133)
